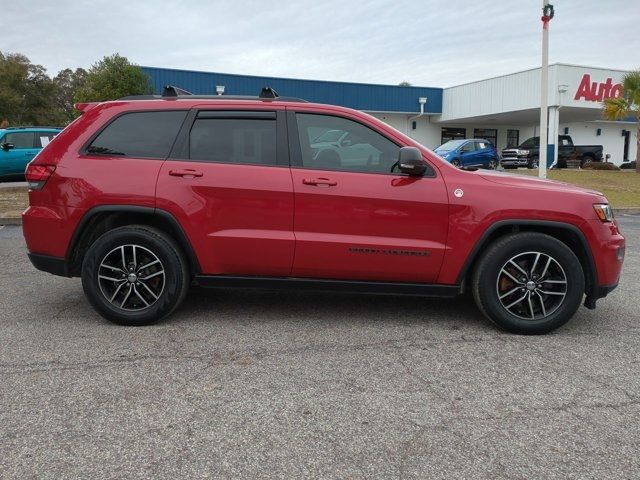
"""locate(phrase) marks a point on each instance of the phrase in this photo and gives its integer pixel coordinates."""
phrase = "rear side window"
(19, 139)
(139, 134)
(43, 138)
(233, 140)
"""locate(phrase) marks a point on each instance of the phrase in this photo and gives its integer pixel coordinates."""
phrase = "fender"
(591, 275)
(179, 236)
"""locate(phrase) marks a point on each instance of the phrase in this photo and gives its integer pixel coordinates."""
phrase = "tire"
(532, 163)
(552, 308)
(154, 291)
(586, 160)
(493, 164)
(456, 163)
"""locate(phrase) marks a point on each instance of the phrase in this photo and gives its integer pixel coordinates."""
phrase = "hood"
(515, 180)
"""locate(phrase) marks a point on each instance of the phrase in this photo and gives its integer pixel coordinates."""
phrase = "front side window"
(233, 140)
(531, 142)
(468, 147)
(139, 134)
(19, 139)
(358, 148)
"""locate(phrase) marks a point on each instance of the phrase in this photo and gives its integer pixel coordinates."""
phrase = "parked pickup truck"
(528, 152)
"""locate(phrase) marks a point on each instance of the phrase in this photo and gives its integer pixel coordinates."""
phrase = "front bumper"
(514, 162)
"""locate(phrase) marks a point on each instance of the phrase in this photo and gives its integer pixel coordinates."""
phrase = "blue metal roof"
(360, 96)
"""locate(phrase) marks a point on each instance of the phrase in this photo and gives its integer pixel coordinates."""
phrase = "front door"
(356, 219)
(228, 183)
(14, 160)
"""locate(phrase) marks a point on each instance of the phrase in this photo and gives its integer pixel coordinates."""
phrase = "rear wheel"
(493, 164)
(586, 160)
(528, 283)
(134, 275)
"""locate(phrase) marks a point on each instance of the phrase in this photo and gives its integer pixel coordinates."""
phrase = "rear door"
(355, 217)
(228, 183)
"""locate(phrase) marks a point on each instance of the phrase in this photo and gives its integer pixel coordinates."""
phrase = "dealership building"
(504, 109)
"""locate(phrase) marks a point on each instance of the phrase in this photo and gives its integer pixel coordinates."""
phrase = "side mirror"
(346, 143)
(7, 146)
(410, 161)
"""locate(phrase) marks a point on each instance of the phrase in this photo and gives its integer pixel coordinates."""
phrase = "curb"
(627, 211)
(10, 220)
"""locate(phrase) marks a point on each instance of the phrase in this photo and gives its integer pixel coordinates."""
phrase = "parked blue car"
(18, 146)
(469, 153)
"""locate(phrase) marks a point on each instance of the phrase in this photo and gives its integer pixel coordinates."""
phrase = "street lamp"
(547, 15)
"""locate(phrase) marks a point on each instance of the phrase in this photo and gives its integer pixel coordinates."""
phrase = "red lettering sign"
(596, 92)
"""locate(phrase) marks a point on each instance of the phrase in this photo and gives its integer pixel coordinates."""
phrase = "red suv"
(144, 196)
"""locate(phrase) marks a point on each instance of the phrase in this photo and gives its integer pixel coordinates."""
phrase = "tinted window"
(359, 150)
(233, 140)
(531, 142)
(139, 134)
(43, 138)
(468, 147)
(19, 139)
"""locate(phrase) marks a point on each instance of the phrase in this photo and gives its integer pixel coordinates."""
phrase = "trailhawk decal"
(386, 251)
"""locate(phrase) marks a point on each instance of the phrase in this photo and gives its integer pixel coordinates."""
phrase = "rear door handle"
(187, 172)
(320, 181)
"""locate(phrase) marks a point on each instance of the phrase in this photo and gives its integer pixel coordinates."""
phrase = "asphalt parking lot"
(289, 385)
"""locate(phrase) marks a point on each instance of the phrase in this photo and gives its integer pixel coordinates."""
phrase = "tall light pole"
(547, 15)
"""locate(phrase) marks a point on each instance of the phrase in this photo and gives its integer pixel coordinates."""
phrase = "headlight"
(604, 212)
(523, 152)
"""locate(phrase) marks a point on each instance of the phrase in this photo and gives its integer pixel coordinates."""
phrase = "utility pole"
(547, 15)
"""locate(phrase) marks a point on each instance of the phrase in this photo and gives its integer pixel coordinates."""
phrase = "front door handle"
(319, 181)
(187, 172)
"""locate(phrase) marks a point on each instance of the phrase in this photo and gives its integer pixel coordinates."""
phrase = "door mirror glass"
(7, 146)
(410, 161)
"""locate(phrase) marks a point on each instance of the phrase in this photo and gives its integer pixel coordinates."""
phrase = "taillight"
(37, 175)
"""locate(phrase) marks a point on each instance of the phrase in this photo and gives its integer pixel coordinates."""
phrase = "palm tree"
(619, 108)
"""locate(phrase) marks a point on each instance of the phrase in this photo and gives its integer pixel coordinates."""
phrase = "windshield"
(450, 145)
(330, 136)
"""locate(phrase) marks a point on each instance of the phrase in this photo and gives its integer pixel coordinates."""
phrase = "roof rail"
(268, 92)
(172, 92)
(33, 126)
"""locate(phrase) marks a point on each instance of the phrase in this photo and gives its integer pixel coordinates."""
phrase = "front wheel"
(456, 163)
(134, 275)
(528, 283)
(533, 163)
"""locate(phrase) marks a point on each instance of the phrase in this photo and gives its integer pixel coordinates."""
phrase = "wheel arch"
(103, 218)
(567, 233)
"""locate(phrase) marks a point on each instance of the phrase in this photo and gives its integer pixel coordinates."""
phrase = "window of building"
(139, 134)
(334, 143)
(19, 139)
(513, 138)
(234, 140)
(449, 133)
(490, 134)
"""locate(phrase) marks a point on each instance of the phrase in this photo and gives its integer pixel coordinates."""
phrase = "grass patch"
(622, 188)
(13, 201)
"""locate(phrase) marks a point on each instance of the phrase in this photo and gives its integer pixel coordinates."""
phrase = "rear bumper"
(47, 263)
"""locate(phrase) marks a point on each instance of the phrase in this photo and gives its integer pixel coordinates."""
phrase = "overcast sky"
(428, 43)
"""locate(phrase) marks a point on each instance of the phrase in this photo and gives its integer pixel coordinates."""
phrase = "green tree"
(619, 108)
(67, 82)
(26, 93)
(404, 83)
(112, 78)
